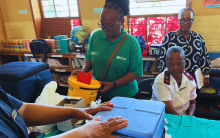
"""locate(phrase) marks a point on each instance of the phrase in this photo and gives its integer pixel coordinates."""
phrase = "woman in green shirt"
(126, 65)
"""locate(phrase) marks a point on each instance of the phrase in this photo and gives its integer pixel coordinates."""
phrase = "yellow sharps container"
(89, 92)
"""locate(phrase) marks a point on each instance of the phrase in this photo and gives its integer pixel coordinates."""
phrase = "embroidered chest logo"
(94, 53)
(121, 58)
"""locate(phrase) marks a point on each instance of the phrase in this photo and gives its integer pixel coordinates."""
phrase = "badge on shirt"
(167, 78)
(13, 114)
(188, 75)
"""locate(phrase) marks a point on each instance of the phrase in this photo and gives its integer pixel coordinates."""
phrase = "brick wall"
(209, 27)
(20, 30)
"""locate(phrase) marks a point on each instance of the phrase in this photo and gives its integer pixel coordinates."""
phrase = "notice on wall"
(23, 11)
(97, 10)
(211, 4)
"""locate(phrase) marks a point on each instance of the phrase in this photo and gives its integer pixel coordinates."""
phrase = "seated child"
(174, 86)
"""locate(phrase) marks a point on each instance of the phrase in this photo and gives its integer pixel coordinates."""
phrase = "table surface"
(179, 125)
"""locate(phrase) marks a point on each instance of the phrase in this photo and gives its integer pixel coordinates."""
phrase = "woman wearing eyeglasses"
(192, 43)
(126, 64)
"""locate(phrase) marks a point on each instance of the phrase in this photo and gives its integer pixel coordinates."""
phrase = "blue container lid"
(143, 115)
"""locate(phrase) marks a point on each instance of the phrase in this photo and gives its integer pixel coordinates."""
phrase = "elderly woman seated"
(174, 86)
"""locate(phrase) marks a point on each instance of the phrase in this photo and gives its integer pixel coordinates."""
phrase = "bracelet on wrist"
(114, 85)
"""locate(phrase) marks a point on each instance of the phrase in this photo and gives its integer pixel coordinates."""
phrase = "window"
(152, 20)
(59, 8)
(163, 7)
(153, 29)
(58, 17)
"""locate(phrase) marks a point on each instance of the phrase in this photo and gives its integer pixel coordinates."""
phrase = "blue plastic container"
(145, 117)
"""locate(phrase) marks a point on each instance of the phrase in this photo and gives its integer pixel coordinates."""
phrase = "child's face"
(175, 65)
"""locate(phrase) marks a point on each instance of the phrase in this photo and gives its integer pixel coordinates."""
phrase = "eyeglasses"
(108, 28)
(188, 21)
(171, 65)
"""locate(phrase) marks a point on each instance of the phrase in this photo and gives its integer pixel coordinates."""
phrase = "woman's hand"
(103, 129)
(85, 113)
(106, 86)
(75, 72)
(107, 104)
(96, 128)
(206, 81)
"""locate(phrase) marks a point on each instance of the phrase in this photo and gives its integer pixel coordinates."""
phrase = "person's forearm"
(87, 66)
(76, 133)
(35, 114)
(191, 110)
(127, 78)
(172, 111)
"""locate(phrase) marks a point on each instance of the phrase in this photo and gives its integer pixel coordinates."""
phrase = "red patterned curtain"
(154, 28)
(138, 26)
(75, 22)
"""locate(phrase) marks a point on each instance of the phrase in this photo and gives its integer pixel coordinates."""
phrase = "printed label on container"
(28, 55)
(64, 85)
(60, 70)
(56, 56)
(80, 56)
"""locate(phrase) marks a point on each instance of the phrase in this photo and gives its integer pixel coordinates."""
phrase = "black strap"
(35, 57)
(110, 59)
(38, 89)
(45, 55)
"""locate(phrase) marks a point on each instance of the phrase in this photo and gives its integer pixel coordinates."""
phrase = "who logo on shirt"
(121, 58)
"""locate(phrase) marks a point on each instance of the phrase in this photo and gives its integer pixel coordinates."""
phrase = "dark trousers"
(136, 96)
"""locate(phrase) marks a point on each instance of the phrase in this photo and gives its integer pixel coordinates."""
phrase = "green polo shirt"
(128, 58)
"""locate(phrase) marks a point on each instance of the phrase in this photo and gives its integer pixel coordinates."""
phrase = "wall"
(2, 30)
(89, 18)
(17, 26)
(207, 23)
(37, 19)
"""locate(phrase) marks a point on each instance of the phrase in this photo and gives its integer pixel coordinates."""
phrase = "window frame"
(188, 4)
(42, 12)
(146, 17)
(57, 18)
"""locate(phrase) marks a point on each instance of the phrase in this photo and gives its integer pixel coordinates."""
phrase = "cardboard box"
(73, 101)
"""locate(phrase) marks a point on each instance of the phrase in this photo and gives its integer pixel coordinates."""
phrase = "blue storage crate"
(145, 117)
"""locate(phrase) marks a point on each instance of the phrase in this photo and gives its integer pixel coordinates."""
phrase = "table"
(191, 127)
